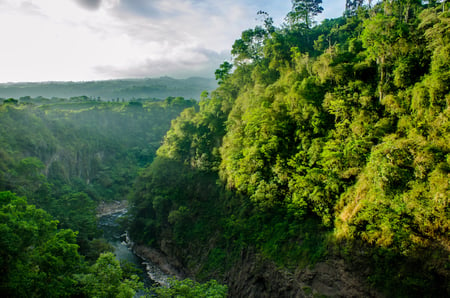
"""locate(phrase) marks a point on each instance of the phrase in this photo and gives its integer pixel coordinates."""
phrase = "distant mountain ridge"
(112, 89)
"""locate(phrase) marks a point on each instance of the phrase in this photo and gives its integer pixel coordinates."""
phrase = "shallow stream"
(117, 237)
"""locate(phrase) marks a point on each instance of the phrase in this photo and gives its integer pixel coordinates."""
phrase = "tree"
(10, 101)
(304, 11)
(189, 289)
(36, 259)
(379, 37)
(249, 47)
(223, 72)
(267, 20)
(106, 279)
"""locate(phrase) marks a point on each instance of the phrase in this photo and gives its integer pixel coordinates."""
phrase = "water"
(115, 235)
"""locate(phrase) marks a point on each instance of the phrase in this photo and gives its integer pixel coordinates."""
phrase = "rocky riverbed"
(160, 260)
(108, 208)
(155, 264)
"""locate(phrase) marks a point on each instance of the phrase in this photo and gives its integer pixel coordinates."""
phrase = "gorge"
(320, 166)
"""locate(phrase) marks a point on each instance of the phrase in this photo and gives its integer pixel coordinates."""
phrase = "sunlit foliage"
(341, 128)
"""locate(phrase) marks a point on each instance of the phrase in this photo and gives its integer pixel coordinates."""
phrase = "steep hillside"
(66, 156)
(320, 164)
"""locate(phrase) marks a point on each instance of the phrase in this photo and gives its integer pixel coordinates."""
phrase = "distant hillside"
(112, 89)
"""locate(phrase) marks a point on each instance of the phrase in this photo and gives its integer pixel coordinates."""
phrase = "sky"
(83, 40)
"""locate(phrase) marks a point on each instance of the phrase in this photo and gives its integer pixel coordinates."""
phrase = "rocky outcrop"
(107, 208)
(167, 264)
(255, 276)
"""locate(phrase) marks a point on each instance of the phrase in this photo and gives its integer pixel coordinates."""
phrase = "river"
(116, 236)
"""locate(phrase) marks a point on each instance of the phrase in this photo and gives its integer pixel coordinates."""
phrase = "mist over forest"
(316, 165)
(126, 89)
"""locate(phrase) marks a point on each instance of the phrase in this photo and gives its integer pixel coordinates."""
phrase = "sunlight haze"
(81, 40)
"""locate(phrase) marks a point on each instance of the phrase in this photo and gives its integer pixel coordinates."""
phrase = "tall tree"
(249, 47)
(36, 259)
(304, 11)
(107, 279)
(223, 72)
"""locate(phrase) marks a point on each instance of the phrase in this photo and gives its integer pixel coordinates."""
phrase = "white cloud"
(90, 4)
(101, 39)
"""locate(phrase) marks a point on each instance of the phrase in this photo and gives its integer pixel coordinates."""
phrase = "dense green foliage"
(106, 278)
(190, 289)
(38, 260)
(328, 141)
(65, 156)
(331, 139)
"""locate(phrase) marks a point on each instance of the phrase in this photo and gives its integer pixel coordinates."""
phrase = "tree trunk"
(382, 75)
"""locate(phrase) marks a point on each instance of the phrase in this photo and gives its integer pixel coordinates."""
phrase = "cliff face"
(167, 264)
(255, 276)
(252, 275)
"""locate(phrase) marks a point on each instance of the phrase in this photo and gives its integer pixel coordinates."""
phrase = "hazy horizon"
(96, 40)
(105, 80)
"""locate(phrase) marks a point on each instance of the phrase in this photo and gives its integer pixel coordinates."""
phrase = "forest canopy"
(59, 159)
(339, 130)
(323, 142)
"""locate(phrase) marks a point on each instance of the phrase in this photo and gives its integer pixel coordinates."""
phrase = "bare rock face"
(333, 279)
(255, 276)
(106, 208)
(167, 264)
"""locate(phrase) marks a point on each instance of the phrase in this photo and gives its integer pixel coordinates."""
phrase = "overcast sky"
(81, 40)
